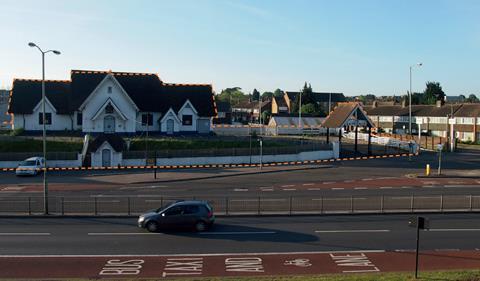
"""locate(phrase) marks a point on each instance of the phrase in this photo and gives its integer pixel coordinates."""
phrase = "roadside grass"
(466, 275)
(170, 143)
(33, 145)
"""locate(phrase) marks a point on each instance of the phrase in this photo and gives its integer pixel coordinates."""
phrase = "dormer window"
(109, 89)
(109, 109)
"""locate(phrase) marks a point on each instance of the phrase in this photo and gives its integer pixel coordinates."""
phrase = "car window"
(191, 209)
(174, 211)
(28, 163)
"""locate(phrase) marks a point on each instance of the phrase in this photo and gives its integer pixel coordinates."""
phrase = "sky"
(349, 46)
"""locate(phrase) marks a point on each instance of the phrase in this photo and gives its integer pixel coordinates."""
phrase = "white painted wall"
(303, 156)
(60, 122)
(176, 124)
(154, 127)
(116, 157)
(98, 98)
(187, 110)
(50, 163)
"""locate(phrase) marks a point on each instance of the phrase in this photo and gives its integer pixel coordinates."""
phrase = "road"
(107, 247)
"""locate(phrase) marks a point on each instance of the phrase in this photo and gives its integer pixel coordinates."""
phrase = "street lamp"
(410, 99)
(45, 186)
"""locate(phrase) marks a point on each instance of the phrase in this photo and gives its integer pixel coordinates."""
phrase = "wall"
(187, 110)
(303, 156)
(176, 124)
(52, 163)
(60, 122)
(155, 122)
(98, 99)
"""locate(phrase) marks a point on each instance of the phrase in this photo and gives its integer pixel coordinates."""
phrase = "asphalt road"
(121, 236)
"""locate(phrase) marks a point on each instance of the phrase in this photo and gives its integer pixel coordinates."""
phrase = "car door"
(172, 217)
(191, 215)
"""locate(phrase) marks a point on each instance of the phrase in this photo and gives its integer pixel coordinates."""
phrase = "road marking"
(405, 187)
(367, 179)
(24, 234)
(237, 232)
(193, 255)
(360, 188)
(308, 184)
(266, 189)
(315, 188)
(328, 182)
(429, 182)
(256, 200)
(456, 182)
(385, 178)
(460, 185)
(121, 233)
(386, 187)
(431, 186)
(288, 185)
(289, 189)
(337, 188)
(353, 231)
(447, 250)
(240, 189)
(455, 229)
(348, 181)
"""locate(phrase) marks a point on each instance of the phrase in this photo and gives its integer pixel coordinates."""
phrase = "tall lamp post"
(410, 99)
(45, 186)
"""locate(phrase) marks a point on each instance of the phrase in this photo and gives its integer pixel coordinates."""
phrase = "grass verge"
(33, 145)
(171, 143)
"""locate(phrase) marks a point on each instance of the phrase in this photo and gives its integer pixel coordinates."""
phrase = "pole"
(261, 153)
(329, 103)
(439, 161)
(45, 183)
(250, 143)
(417, 248)
(300, 112)
(410, 105)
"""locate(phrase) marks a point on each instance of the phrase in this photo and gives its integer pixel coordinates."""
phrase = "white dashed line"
(328, 182)
(240, 189)
(288, 185)
(367, 179)
(266, 189)
(360, 188)
(308, 184)
(315, 188)
(447, 250)
(349, 181)
(338, 188)
(459, 185)
(24, 234)
(386, 187)
(289, 189)
(405, 187)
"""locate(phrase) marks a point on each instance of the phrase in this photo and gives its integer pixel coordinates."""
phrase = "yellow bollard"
(427, 170)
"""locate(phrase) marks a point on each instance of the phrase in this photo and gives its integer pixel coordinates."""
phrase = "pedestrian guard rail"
(407, 144)
(242, 205)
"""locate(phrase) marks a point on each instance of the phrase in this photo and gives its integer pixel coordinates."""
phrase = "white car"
(30, 167)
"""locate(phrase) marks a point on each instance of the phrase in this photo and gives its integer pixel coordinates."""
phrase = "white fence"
(410, 146)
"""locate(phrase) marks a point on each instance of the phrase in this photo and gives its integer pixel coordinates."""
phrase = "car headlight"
(140, 219)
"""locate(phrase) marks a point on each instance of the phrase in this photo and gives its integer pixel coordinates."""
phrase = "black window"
(109, 90)
(187, 120)
(147, 118)
(109, 109)
(174, 211)
(48, 118)
(79, 118)
(191, 209)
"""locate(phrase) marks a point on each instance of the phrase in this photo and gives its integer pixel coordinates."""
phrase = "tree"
(278, 93)
(266, 116)
(472, 99)
(255, 95)
(433, 93)
(233, 95)
(267, 96)
(307, 98)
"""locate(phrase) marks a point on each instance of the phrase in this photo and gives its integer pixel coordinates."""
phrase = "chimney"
(439, 103)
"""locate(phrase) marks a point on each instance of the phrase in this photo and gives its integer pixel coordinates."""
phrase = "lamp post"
(45, 185)
(410, 99)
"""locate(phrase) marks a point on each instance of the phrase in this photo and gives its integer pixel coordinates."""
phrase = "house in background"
(113, 102)
(4, 116)
(249, 111)
(323, 99)
(224, 113)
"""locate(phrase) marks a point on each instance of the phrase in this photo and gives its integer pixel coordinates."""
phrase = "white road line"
(360, 188)
(447, 250)
(454, 229)
(240, 189)
(405, 187)
(353, 231)
(431, 186)
(256, 200)
(337, 188)
(121, 233)
(237, 232)
(386, 187)
(308, 184)
(456, 182)
(348, 181)
(24, 234)
(288, 185)
(385, 178)
(460, 185)
(266, 189)
(315, 188)
(328, 182)
(289, 189)
(367, 179)
(194, 255)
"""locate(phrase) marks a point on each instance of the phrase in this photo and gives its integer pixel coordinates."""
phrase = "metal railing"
(292, 205)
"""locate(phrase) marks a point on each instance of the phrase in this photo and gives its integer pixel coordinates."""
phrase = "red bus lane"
(355, 262)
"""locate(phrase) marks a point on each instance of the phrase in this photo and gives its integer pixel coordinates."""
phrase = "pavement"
(112, 248)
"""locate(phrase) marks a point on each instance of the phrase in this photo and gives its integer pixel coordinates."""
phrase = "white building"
(113, 102)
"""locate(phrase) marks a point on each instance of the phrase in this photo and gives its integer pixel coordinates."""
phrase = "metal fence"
(213, 152)
(134, 205)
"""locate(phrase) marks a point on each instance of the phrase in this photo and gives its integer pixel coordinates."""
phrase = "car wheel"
(152, 226)
(200, 226)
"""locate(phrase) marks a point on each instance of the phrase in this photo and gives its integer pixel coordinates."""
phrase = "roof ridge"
(124, 73)
(40, 80)
(187, 84)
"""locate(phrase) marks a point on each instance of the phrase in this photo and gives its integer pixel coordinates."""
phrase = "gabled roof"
(224, 106)
(280, 102)
(146, 90)
(468, 110)
(343, 112)
(417, 110)
(27, 93)
(115, 141)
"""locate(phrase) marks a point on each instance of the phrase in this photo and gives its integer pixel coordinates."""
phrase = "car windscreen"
(28, 163)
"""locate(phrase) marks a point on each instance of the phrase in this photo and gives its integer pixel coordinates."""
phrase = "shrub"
(17, 132)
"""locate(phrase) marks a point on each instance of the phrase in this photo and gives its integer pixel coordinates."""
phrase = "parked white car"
(30, 167)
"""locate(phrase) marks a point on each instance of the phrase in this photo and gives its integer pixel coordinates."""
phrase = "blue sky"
(350, 46)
